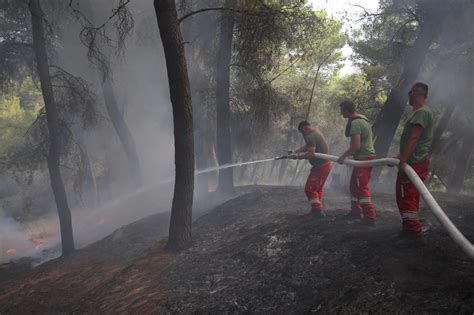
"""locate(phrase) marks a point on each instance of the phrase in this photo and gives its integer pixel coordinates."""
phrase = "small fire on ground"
(10, 251)
(18, 249)
(211, 188)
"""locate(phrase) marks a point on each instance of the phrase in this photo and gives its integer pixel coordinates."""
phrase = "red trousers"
(314, 185)
(408, 197)
(361, 201)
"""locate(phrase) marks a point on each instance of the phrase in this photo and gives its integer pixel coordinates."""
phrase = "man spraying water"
(315, 142)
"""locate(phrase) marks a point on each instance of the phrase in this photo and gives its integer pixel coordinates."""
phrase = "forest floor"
(259, 252)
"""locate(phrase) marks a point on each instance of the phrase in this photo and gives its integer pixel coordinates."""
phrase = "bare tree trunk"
(181, 210)
(120, 126)
(389, 117)
(224, 144)
(196, 81)
(89, 185)
(54, 155)
(122, 130)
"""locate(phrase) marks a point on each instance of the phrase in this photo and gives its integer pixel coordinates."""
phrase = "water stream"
(145, 189)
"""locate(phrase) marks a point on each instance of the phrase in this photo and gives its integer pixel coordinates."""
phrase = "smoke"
(34, 239)
(141, 87)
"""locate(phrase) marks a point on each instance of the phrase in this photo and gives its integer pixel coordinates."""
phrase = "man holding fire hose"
(315, 142)
(415, 142)
(362, 149)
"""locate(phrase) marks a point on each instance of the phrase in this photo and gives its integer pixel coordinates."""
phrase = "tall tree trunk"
(462, 163)
(201, 140)
(224, 144)
(120, 126)
(122, 131)
(196, 81)
(89, 185)
(387, 120)
(54, 154)
(181, 209)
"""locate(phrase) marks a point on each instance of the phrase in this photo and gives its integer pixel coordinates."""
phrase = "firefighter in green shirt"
(362, 149)
(415, 143)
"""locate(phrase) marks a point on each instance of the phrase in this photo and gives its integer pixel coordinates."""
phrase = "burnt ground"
(260, 252)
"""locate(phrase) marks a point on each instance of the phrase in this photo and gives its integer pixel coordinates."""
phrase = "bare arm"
(354, 147)
(310, 151)
(302, 149)
(415, 135)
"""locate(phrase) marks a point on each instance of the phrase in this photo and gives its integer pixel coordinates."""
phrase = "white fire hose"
(452, 230)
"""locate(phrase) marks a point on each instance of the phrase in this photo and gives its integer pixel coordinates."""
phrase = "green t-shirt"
(423, 117)
(360, 125)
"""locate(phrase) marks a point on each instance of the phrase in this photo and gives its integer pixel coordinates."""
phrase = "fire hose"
(435, 208)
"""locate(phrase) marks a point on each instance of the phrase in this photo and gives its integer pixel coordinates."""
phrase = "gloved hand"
(291, 152)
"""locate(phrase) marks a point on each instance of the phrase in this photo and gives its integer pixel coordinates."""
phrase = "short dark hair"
(348, 106)
(303, 124)
(422, 86)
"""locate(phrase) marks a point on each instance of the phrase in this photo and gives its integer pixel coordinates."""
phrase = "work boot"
(352, 216)
(407, 240)
(425, 225)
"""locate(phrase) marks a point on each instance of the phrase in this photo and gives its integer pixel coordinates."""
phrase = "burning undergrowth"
(19, 240)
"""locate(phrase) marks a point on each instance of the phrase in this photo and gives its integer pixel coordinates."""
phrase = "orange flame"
(37, 242)
(10, 251)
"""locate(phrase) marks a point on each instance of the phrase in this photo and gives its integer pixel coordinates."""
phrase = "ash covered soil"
(260, 252)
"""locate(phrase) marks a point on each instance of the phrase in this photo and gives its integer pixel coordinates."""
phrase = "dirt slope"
(259, 252)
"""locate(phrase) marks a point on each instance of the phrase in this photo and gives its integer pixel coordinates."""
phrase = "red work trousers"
(361, 201)
(408, 197)
(314, 185)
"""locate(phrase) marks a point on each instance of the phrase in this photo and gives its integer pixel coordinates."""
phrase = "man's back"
(360, 125)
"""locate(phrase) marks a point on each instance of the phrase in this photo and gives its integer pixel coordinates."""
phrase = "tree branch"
(412, 13)
(246, 12)
(286, 69)
(181, 19)
(314, 83)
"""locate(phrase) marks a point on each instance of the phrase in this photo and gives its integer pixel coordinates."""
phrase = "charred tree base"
(178, 245)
